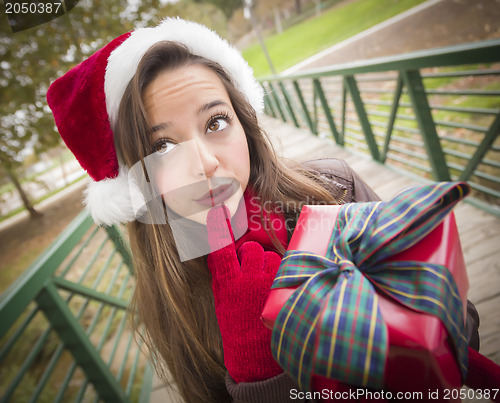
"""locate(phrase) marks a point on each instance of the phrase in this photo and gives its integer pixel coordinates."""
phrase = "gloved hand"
(241, 282)
(483, 375)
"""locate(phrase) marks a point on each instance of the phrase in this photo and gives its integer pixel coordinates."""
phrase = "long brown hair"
(173, 299)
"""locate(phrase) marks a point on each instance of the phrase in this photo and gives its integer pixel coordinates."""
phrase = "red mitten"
(241, 283)
(483, 375)
(256, 231)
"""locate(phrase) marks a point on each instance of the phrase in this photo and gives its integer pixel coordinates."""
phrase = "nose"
(208, 158)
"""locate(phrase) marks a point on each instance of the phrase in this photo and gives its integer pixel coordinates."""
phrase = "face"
(199, 154)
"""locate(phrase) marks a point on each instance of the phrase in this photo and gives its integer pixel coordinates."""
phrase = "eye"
(217, 123)
(163, 146)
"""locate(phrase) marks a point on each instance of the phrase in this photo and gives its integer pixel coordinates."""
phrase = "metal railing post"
(352, 87)
(307, 116)
(62, 320)
(29, 284)
(268, 106)
(326, 109)
(392, 117)
(120, 245)
(488, 140)
(288, 102)
(416, 91)
(277, 102)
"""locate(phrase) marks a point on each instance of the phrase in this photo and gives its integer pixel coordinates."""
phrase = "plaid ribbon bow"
(332, 326)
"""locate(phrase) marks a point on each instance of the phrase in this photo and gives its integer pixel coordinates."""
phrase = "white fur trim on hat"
(112, 201)
(201, 41)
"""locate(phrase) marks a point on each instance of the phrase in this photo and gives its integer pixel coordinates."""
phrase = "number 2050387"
(32, 8)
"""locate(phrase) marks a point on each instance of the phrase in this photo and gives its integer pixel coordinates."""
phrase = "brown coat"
(342, 182)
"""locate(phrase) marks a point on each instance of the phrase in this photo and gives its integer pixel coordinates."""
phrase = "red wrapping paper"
(420, 356)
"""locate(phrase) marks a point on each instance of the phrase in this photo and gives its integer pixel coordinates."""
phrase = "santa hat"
(85, 103)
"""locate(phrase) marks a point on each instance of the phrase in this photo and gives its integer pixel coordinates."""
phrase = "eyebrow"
(159, 127)
(211, 105)
(202, 109)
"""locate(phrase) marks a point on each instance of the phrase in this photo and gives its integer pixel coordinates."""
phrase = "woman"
(165, 121)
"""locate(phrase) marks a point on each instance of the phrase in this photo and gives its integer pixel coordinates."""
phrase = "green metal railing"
(434, 113)
(64, 334)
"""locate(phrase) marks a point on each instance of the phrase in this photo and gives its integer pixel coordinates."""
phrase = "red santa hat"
(85, 104)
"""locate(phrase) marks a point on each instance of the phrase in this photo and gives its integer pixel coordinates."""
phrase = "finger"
(251, 256)
(223, 259)
(272, 263)
(219, 229)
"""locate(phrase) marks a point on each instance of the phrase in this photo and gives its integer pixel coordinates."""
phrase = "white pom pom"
(112, 201)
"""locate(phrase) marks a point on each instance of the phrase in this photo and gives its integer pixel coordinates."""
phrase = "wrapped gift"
(374, 295)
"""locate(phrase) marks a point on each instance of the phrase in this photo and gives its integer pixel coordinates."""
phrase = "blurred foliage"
(228, 7)
(205, 13)
(33, 58)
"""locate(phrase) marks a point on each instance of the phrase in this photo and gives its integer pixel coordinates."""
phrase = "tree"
(10, 171)
(203, 13)
(298, 6)
(24, 122)
(228, 7)
(33, 58)
(238, 25)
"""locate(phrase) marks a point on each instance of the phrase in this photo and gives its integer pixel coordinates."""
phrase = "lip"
(217, 195)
